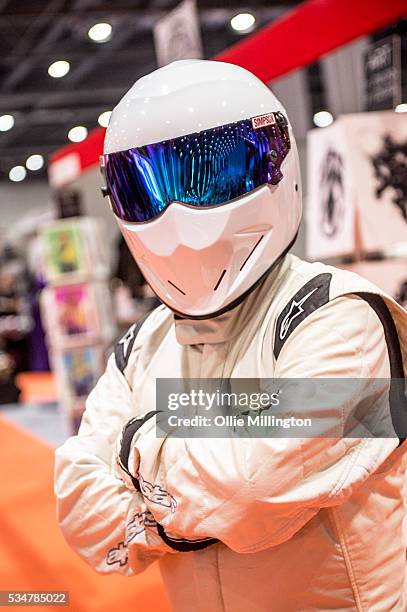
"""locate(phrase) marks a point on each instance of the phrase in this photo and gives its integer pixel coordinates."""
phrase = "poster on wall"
(78, 370)
(330, 203)
(82, 368)
(76, 247)
(64, 250)
(388, 274)
(383, 73)
(78, 314)
(377, 146)
(76, 310)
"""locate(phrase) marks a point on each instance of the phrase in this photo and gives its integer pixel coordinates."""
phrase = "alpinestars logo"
(295, 310)
(124, 347)
(125, 342)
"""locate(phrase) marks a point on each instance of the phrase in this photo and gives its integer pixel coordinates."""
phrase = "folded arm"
(105, 522)
(255, 493)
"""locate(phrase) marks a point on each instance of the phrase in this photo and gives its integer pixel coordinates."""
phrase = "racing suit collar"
(226, 326)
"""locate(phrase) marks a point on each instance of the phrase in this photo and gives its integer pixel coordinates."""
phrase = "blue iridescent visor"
(204, 169)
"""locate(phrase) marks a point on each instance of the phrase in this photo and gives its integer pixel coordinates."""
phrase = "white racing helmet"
(202, 174)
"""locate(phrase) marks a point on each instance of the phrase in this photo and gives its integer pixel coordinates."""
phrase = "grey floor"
(42, 420)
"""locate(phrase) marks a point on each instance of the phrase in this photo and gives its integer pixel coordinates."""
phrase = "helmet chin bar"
(236, 301)
(200, 274)
(224, 271)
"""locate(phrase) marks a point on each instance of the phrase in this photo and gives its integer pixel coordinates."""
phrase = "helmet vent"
(178, 289)
(251, 252)
(219, 280)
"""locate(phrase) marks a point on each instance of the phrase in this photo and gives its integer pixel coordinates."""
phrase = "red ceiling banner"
(68, 163)
(310, 30)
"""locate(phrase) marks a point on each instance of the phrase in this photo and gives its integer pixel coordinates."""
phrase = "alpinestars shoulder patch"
(124, 346)
(311, 296)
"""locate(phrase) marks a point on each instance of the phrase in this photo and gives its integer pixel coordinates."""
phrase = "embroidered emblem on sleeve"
(311, 296)
(118, 554)
(124, 346)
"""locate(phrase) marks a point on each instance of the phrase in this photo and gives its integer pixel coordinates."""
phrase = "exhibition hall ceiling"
(34, 34)
(64, 64)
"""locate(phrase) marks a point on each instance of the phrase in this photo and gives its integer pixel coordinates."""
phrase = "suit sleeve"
(108, 525)
(255, 493)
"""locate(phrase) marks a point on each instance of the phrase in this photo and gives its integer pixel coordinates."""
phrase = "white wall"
(20, 199)
(93, 203)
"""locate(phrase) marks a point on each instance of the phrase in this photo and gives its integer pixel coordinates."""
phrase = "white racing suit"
(266, 524)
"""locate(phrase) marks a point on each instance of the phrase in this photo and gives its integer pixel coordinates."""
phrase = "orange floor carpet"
(33, 553)
(37, 387)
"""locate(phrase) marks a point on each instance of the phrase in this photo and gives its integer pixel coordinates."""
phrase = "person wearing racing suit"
(202, 175)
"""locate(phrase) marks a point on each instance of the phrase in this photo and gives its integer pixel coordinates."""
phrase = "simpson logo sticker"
(263, 120)
(311, 296)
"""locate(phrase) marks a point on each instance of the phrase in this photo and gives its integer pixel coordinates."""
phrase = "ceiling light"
(100, 32)
(17, 174)
(401, 108)
(322, 119)
(6, 123)
(34, 162)
(77, 133)
(243, 22)
(103, 118)
(59, 69)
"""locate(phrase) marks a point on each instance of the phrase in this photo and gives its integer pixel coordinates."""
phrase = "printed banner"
(330, 212)
(357, 184)
(177, 35)
(377, 145)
